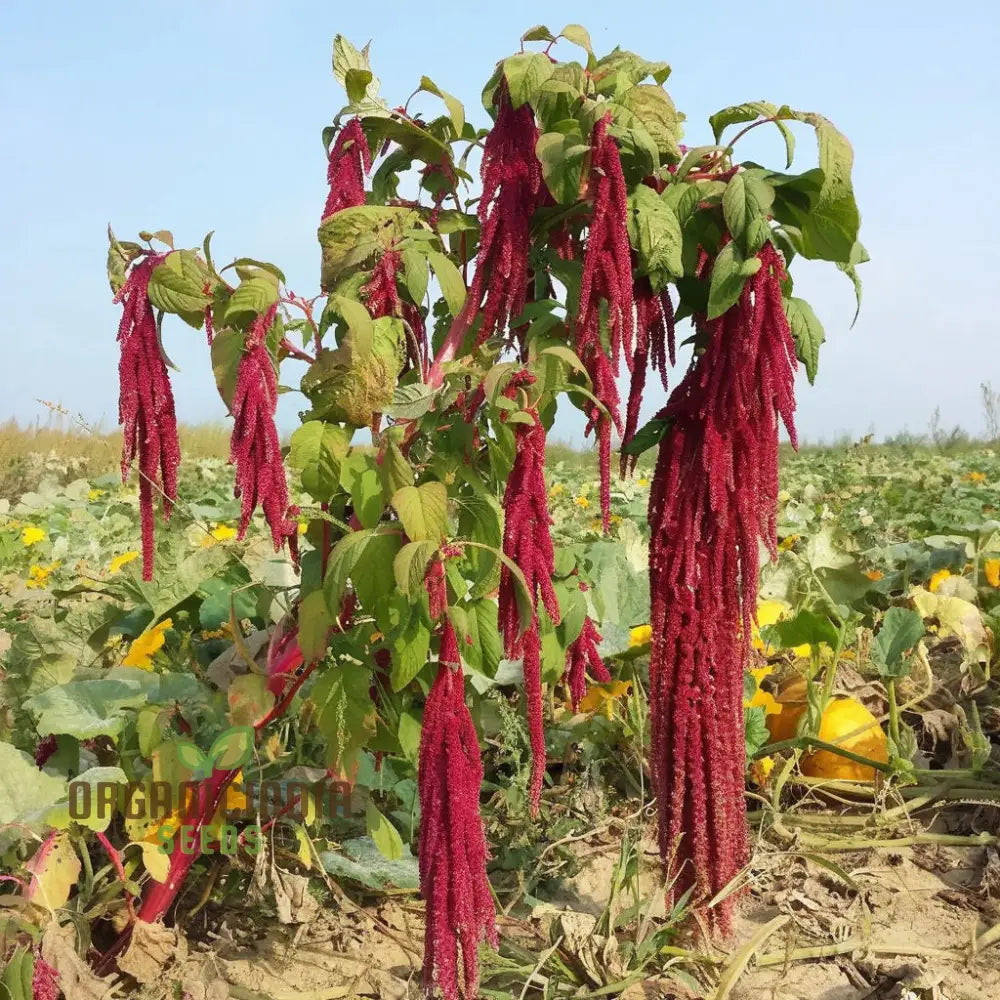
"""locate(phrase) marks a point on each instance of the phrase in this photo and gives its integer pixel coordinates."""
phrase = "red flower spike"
(381, 296)
(437, 592)
(350, 159)
(607, 278)
(452, 850)
(581, 654)
(255, 448)
(146, 404)
(512, 186)
(654, 342)
(527, 542)
(714, 495)
(44, 980)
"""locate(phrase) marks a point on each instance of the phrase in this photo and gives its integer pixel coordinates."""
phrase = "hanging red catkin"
(255, 448)
(44, 980)
(654, 339)
(581, 654)
(452, 850)
(605, 284)
(146, 404)
(527, 542)
(381, 296)
(714, 495)
(350, 160)
(512, 182)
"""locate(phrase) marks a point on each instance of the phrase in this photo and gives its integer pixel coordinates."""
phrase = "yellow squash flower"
(874, 574)
(219, 533)
(94, 494)
(770, 613)
(992, 570)
(643, 482)
(786, 543)
(556, 491)
(937, 579)
(601, 697)
(147, 645)
(641, 635)
(123, 560)
(38, 576)
(31, 535)
(303, 527)
(976, 477)
(760, 771)
(582, 502)
(761, 698)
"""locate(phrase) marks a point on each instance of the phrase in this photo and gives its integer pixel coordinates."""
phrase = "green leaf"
(346, 715)
(655, 233)
(177, 285)
(317, 451)
(314, 626)
(578, 35)
(562, 157)
(902, 629)
(374, 581)
(729, 275)
(410, 566)
(525, 74)
(410, 402)
(394, 470)
(352, 236)
(455, 109)
(356, 83)
(359, 476)
(539, 33)
(415, 273)
(805, 628)
(233, 748)
(755, 733)
(807, 332)
(486, 649)
(830, 230)
(25, 792)
(85, 709)
(450, 279)
(749, 112)
(359, 322)
(859, 255)
(410, 648)
(227, 353)
(253, 297)
(408, 734)
(652, 106)
(343, 558)
(423, 510)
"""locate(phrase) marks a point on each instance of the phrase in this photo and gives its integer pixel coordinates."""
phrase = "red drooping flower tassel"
(381, 296)
(605, 290)
(255, 448)
(350, 159)
(654, 341)
(581, 654)
(452, 851)
(527, 542)
(146, 404)
(512, 182)
(714, 495)
(44, 980)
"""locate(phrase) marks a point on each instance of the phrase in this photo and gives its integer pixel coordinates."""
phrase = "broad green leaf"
(346, 714)
(652, 106)
(373, 578)
(394, 470)
(859, 255)
(654, 232)
(85, 709)
(177, 285)
(729, 276)
(749, 112)
(343, 558)
(314, 626)
(902, 629)
(562, 157)
(25, 792)
(525, 74)
(253, 297)
(578, 35)
(227, 353)
(410, 566)
(54, 869)
(408, 734)
(755, 732)
(410, 402)
(415, 273)
(539, 33)
(455, 109)
(356, 83)
(358, 320)
(250, 699)
(486, 649)
(359, 476)
(807, 332)
(410, 647)
(423, 510)
(352, 236)
(806, 628)
(450, 279)
(317, 450)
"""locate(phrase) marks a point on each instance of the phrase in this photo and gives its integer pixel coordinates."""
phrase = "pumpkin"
(846, 723)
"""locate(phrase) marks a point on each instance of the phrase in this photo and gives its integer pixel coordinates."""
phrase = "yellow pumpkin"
(846, 723)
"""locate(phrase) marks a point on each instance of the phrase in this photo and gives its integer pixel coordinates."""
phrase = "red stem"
(116, 860)
(456, 335)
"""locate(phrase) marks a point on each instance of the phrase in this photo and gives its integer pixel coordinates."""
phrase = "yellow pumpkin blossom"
(601, 697)
(760, 771)
(874, 574)
(38, 576)
(95, 494)
(556, 491)
(641, 635)
(31, 535)
(123, 560)
(991, 568)
(582, 502)
(937, 579)
(147, 645)
(643, 482)
(976, 477)
(303, 527)
(786, 543)
(219, 533)
(761, 698)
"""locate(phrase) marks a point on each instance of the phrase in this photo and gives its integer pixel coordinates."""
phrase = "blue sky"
(207, 115)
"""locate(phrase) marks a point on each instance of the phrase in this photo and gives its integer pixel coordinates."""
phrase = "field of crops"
(878, 870)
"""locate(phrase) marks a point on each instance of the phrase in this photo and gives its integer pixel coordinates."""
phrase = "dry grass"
(64, 450)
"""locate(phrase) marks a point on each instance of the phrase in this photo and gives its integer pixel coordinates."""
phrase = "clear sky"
(206, 114)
